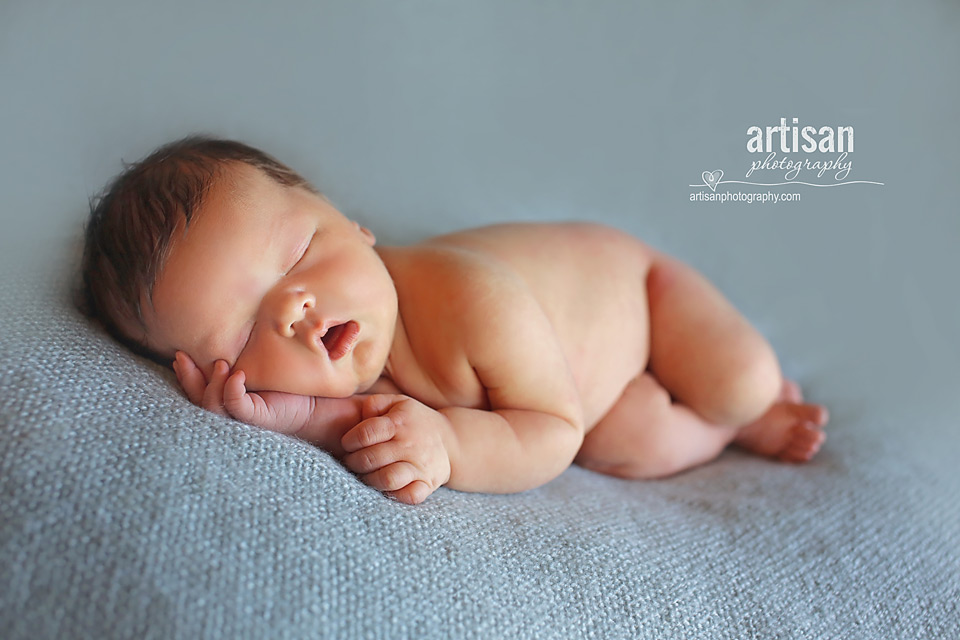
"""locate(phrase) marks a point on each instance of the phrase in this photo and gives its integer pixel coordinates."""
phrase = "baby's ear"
(366, 233)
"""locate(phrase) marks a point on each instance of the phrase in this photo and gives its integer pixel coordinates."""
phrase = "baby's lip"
(338, 338)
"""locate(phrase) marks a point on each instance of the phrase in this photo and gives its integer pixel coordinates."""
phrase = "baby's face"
(279, 284)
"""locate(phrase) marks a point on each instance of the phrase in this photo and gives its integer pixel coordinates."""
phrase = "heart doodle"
(712, 178)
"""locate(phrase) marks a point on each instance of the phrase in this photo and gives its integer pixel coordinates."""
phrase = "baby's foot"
(791, 430)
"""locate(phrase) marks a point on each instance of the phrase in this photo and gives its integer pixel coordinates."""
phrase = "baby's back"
(590, 282)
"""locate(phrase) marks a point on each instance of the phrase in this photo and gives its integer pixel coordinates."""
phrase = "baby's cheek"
(253, 374)
(259, 360)
(271, 370)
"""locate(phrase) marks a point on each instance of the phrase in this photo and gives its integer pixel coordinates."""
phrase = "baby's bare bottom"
(711, 379)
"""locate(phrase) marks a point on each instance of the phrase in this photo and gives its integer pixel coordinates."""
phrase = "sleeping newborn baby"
(486, 360)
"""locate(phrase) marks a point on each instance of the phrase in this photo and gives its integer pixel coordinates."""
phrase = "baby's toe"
(819, 415)
(791, 391)
(805, 441)
(815, 413)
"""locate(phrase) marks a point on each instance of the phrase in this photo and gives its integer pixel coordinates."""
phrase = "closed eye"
(301, 251)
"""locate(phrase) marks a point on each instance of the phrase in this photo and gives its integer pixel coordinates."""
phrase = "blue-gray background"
(423, 116)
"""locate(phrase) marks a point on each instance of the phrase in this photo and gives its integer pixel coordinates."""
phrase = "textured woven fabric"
(128, 513)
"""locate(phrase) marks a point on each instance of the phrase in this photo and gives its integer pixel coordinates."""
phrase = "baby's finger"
(414, 493)
(190, 377)
(380, 403)
(213, 394)
(392, 477)
(372, 458)
(237, 402)
(368, 433)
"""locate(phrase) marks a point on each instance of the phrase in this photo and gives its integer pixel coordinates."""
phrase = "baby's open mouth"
(340, 338)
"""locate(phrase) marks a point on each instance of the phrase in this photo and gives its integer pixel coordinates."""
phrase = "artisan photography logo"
(817, 157)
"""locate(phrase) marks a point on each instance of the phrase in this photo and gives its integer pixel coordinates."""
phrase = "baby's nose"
(292, 310)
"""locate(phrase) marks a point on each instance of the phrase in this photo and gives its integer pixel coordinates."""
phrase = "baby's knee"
(748, 389)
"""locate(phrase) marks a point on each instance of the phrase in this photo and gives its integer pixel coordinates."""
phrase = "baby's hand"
(226, 395)
(399, 447)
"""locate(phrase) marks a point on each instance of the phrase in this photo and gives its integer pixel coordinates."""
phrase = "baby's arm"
(319, 421)
(534, 427)
(531, 433)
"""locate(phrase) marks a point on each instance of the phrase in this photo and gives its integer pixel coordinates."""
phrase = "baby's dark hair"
(129, 232)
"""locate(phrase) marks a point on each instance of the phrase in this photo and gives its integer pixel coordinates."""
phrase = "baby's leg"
(646, 435)
(712, 380)
(703, 351)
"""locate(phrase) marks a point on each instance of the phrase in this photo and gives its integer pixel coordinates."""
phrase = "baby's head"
(216, 249)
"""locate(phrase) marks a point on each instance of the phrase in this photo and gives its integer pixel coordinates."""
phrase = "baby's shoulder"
(448, 275)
